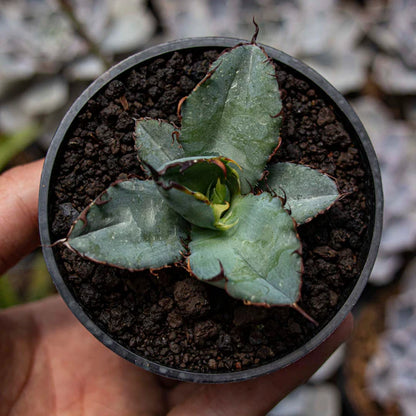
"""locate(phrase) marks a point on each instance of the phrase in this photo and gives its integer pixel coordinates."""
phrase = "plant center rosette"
(210, 202)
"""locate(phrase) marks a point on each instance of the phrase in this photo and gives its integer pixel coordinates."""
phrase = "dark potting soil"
(171, 317)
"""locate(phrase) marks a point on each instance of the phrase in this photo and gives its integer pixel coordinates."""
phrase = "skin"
(51, 365)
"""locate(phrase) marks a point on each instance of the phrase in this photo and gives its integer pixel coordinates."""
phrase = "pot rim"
(343, 110)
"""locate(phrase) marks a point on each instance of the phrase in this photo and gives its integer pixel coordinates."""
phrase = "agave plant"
(197, 206)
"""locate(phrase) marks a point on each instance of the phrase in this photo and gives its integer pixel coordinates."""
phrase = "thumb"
(19, 188)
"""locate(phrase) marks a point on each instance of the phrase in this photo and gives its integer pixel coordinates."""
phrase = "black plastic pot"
(343, 111)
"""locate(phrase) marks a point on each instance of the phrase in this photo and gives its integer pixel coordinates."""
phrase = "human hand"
(51, 365)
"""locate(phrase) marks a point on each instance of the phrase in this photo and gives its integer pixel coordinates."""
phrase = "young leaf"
(200, 189)
(129, 226)
(155, 142)
(307, 191)
(259, 257)
(231, 112)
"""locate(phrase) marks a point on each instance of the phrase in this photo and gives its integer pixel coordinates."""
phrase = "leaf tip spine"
(256, 32)
(57, 242)
(304, 314)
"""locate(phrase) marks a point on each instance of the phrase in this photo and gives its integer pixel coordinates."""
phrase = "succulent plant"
(197, 206)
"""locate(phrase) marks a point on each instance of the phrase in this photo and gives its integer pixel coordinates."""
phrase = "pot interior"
(173, 324)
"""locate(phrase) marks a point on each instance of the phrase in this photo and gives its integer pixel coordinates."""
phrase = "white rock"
(189, 18)
(379, 376)
(385, 268)
(402, 23)
(346, 70)
(391, 372)
(85, 69)
(300, 27)
(12, 118)
(393, 76)
(45, 97)
(39, 100)
(97, 11)
(131, 25)
(322, 400)
(328, 29)
(408, 406)
(401, 311)
(39, 31)
(128, 33)
(395, 143)
(14, 68)
(399, 235)
(326, 40)
(394, 30)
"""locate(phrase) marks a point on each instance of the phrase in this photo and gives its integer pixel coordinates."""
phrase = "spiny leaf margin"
(307, 192)
(264, 247)
(129, 226)
(235, 112)
(155, 142)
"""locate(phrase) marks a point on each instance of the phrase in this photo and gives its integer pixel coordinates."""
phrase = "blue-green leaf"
(130, 226)
(156, 143)
(231, 112)
(200, 189)
(307, 191)
(258, 259)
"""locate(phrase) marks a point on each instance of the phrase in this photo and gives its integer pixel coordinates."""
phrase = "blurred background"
(50, 50)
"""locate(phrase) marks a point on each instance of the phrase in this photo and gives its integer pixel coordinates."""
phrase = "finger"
(255, 397)
(19, 188)
(45, 353)
(108, 383)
